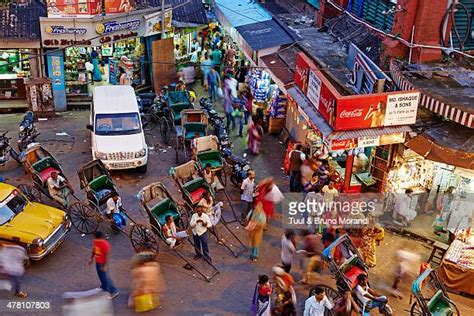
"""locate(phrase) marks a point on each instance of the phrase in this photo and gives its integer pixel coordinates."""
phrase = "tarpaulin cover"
(456, 277)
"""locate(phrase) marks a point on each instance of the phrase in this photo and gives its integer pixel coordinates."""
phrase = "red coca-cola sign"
(360, 111)
(342, 144)
(303, 64)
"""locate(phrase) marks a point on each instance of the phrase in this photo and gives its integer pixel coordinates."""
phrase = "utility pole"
(162, 19)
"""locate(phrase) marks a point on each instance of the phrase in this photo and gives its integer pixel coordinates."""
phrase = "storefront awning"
(240, 12)
(265, 34)
(348, 139)
(428, 147)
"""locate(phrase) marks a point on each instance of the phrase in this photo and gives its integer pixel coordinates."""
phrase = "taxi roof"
(5, 190)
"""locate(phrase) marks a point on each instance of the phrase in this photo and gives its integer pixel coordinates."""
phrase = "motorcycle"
(239, 165)
(7, 151)
(216, 121)
(27, 132)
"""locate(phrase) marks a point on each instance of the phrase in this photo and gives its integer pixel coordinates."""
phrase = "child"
(261, 296)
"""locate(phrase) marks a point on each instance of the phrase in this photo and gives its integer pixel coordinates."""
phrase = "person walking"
(288, 249)
(228, 108)
(12, 264)
(206, 66)
(101, 252)
(216, 57)
(247, 188)
(317, 304)
(199, 224)
(255, 229)
(213, 82)
(254, 135)
(239, 110)
(261, 297)
(297, 157)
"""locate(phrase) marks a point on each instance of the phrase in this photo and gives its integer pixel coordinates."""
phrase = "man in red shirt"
(100, 252)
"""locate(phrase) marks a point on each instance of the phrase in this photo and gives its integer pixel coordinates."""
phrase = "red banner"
(68, 8)
(117, 6)
(303, 64)
(343, 144)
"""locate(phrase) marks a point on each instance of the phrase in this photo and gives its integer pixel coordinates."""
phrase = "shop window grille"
(376, 12)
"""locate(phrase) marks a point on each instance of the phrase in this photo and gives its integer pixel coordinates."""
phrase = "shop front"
(14, 68)
(93, 50)
(358, 133)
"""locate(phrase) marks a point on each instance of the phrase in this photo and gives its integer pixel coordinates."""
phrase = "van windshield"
(117, 124)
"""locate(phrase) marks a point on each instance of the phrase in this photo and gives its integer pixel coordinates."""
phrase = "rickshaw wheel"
(143, 239)
(222, 175)
(165, 130)
(332, 294)
(416, 310)
(83, 218)
(32, 193)
(148, 122)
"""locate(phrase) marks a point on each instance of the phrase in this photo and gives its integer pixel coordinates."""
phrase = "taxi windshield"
(12, 205)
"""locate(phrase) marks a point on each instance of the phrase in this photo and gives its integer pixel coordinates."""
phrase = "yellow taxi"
(39, 228)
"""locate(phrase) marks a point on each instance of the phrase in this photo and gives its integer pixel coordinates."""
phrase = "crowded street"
(236, 158)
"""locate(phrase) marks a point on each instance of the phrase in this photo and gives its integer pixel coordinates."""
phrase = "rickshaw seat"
(164, 208)
(46, 173)
(194, 127)
(353, 273)
(101, 187)
(44, 164)
(197, 195)
(438, 305)
(212, 157)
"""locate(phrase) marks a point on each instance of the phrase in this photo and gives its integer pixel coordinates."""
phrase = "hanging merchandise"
(259, 85)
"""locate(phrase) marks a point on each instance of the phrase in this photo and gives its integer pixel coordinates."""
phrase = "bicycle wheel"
(165, 130)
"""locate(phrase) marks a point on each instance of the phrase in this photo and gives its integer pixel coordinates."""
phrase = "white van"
(116, 129)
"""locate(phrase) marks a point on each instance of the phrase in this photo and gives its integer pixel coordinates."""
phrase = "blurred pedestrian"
(288, 249)
(213, 83)
(248, 104)
(147, 283)
(247, 190)
(312, 250)
(406, 262)
(297, 157)
(254, 135)
(101, 254)
(12, 265)
(261, 297)
(284, 292)
(216, 57)
(189, 75)
(238, 111)
(312, 185)
(255, 229)
(199, 224)
(206, 66)
(228, 108)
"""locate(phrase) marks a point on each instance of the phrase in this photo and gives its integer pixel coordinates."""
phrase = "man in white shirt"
(330, 192)
(317, 304)
(59, 189)
(247, 188)
(114, 205)
(288, 249)
(199, 223)
(369, 298)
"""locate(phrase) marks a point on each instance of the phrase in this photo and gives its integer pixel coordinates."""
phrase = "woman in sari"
(261, 297)
(255, 228)
(372, 235)
(254, 136)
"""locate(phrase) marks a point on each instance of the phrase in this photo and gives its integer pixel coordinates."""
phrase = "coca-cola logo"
(301, 71)
(351, 114)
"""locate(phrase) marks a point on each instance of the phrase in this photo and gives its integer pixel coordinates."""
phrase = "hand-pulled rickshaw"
(178, 101)
(193, 125)
(191, 183)
(98, 185)
(346, 264)
(158, 204)
(207, 151)
(437, 303)
(41, 164)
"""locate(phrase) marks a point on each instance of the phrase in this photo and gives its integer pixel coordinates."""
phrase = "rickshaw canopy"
(92, 171)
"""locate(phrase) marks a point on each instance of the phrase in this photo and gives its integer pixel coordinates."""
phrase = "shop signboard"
(368, 141)
(118, 6)
(303, 64)
(73, 8)
(367, 77)
(314, 89)
(343, 144)
(376, 110)
(55, 62)
(92, 31)
(153, 22)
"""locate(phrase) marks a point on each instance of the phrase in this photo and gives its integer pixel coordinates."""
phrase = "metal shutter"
(371, 12)
(461, 23)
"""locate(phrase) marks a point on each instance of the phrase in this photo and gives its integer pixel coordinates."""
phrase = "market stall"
(14, 67)
(457, 268)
